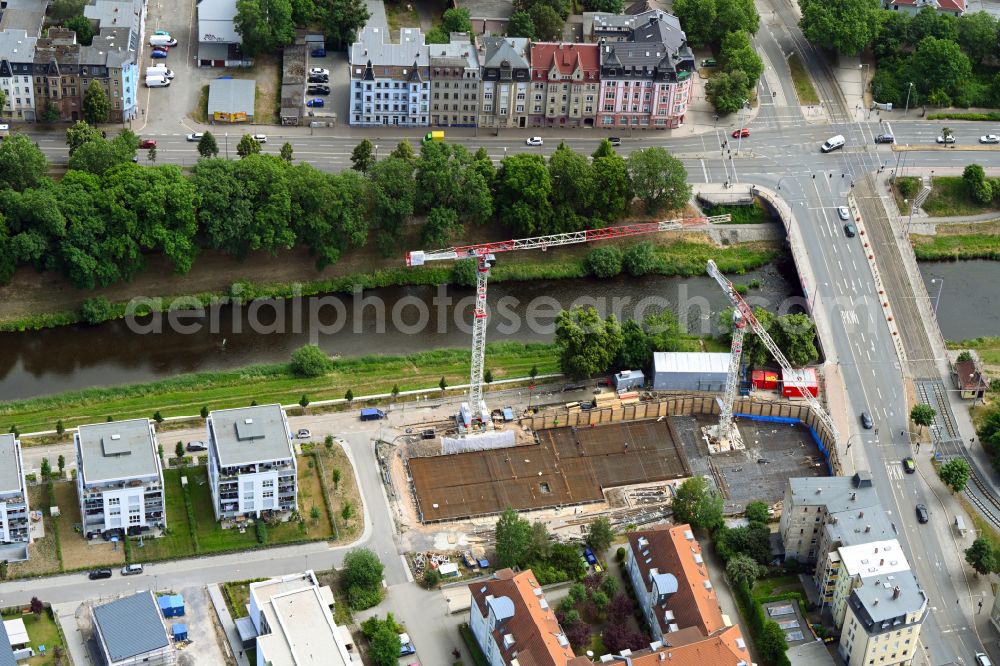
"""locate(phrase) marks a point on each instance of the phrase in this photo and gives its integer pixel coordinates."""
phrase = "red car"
(147, 143)
(744, 132)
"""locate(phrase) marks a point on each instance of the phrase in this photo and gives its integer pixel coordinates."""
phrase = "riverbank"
(36, 301)
(953, 242)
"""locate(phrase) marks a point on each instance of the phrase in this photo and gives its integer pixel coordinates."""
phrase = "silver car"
(844, 213)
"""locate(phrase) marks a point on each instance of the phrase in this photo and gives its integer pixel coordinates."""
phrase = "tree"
(640, 259)
(513, 537)
(955, 473)
(36, 606)
(572, 189)
(393, 196)
(540, 546)
(697, 18)
(22, 164)
(347, 511)
(286, 152)
(304, 401)
(204, 411)
(342, 19)
(521, 25)
(46, 468)
(60, 428)
(432, 578)
(151, 154)
(363, 156)
(604, 261)
(99, 157)
(659, 179)
(383, 647)
(61, 462)
(949, 76)
(157, 416)
(735, 16)
(442, 226)
(395, 391)
(977, 35)
(620, 636)
(771, 643)
(600, 600)
(488, 376)
(362, 568)
(600, 535)
(310, 361)
(533, 372)
(547, 22)
(456, 20)
(404, 151)
(737, 53)
(757, 512)
(83, 28)
(587, 344)
(795, 335)
(264, 25)
(328, 211)
(314, 514)
(977, 184)
(743, 569)
(846, 26)
(50, 113)
(96, 106)
(349, 396)
(609, 6)
(335, 475)
(179, 450)
(922, 415)
(982, 556)
(728, 91)
(207, 147)
(636, 351)
(697, 504)
(247, 146)
(524, 194)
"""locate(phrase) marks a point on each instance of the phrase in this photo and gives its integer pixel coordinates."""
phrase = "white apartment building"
(119, 479)
(251, 463)
(882, 622)
(14, 525)
(881, 560)
(17, 51)
(390, 83)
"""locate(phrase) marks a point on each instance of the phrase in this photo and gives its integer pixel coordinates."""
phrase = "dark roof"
(6, 651)
(968, 376)
(131, 626)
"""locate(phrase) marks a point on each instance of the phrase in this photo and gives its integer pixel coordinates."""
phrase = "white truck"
(159, 70)
(157, 81)
(162, 40)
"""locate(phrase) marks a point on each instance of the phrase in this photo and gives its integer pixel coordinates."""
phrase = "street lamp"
(908, 89)
(864, 80)
(940, 283)
(743, 108)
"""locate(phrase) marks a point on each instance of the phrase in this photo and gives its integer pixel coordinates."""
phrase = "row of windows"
(389, 120)
(466, 96)
(454, 107)
(588, 110)
(468, 120)
(397, 84)
(468, 74)
(449, 84)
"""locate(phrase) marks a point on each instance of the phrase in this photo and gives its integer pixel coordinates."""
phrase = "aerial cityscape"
(499, 332)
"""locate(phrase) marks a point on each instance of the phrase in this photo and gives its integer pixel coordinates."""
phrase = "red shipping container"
(802, 377)
(764, 379)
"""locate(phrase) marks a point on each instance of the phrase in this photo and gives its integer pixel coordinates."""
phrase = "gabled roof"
(509, 51)
(968, 376)
(724, 648)
(676, 552)
(131, 626)
(941, 5)
(526, 625)
(6, 651)
(565, 58)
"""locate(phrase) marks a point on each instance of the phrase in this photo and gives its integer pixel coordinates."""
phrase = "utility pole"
(746, 105)
(908, 89)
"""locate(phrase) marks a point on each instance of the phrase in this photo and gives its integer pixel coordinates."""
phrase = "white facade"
(895, 647)
(14, 525)
(482, 627)
(17, 52)
(390, 83)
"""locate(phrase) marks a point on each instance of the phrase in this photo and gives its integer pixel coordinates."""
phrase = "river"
(967, 306)
(381, 321)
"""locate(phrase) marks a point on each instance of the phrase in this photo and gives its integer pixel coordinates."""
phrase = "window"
(114, 501)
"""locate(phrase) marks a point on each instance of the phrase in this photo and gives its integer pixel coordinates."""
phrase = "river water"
(967, 307)
(380, 321)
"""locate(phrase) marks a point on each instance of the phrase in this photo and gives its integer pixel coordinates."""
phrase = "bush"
(310, 361)
(604, 261)
(907, 186)
(96, 310)
(261, 530)
(432, 578)
(360, 598)
(640, 259)
(620, 554)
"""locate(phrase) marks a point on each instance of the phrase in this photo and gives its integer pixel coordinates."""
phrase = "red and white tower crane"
(485, 256)
(725, 436)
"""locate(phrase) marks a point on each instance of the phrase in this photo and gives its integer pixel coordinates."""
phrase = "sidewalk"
(234, 645)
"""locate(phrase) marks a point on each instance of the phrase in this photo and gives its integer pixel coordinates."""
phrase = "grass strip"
(803, 84)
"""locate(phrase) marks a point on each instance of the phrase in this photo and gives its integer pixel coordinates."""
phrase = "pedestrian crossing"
(894, 469)
(849, 317)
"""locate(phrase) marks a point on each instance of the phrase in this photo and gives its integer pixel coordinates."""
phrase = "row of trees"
(794, 334)
(729, 89)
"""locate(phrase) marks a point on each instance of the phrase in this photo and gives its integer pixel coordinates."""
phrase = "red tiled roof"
(719, 649)
(671, 551)
(943, 5)
(968, 377)
(534, 628)
(566, 58)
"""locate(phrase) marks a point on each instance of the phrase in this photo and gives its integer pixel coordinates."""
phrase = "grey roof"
(11, 478)
(880, 601)
(117, 451)
(215, 22)
(706, 362)
(6, 651)
(131, 626)
(23, 15)
(231, 96)
(372, 47)
(115, 14)
(459, 52)
(238, 442)
(512, 50)
(836, 493)
(859, 525)
(16, 46)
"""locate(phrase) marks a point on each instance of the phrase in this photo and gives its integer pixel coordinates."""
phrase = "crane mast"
(484, 255)
(725, 434)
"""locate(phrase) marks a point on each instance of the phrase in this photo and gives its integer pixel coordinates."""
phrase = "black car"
(197, 446)
(98, 574)
(318, 90)
(319, 78)
(614, 140)
(922, 515)
(885, 138)
(850, 230)
(866, 421)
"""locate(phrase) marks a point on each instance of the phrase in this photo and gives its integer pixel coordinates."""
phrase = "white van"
(157, 81)
(162, 40)
(4, 130)
(159, 70)
(833, 143)
(983, 660)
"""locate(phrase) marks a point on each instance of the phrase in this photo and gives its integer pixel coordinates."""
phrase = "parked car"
(318, 90)
(162, 32)
(990, 138)
(195, 136)
(318, 79)
(983, 660)
(588, 554)
(147, 143)
(131, 569)
(866, 421)
(158, 53)
(318, 53)
(850, 230)
(922, 514)
(406, 645)
(319, 71)
(259, 138)
(534, 141)
(98, 574)
(316, 102)
(615, 140)
(742, 132)
(303, 433)
(946, 138)
(885, 138)
(708, 62)
(844, 213)
(908, 465)
(197, 446)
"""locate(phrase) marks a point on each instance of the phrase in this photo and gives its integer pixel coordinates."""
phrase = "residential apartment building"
(506, 77)
(512, 623)
(251, 463)
(112, 58)
(646, 69)
(454, 69)
(723, 648)
(14, 524)
(17, 51)
(881, 560)
(390, 83)
(883, 620)
(292, 616)
(671, 582)
(843, 529)
(810, 501)
(119, 479)
(57, 75)
(565, 83)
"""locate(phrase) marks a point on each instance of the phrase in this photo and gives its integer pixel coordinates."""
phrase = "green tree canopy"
(207, 147)
(604, 261)
(982, 556)
(847, 26)
(363, 156)
(363, 568)
(456, 20)
(310, 361)
(697, 504)
(659, 179)
(264, 25)
(728, 91)
(757, 512)
(22, 163)
(83, 28)
(96, 105)
(743, 569)
(328, 211)
(513, 537)
(955, 473)
(342, 19)
(697, 18)
(600, 535)
(977, 35)
(247, 146)
(521, 25)
(587, 344)
(923, 415)
(393, 197)
(548, 24)
(572, 189)
(523, 195)
(737, 53)
(771, 643)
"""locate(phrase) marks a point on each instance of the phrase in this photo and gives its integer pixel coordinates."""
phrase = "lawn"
(909, 184)
(237, 596)
(988, 348)
(962, 241)
(752, 214)
(401, 14)
(177, 541)
(345, 492)
(43, 554)
(200, 114)
(77, 553)
(768, 587)
(42, 630)
(949, 197)
(803, 84)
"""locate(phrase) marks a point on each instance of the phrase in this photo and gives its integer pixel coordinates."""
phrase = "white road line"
(704, 170)
(841, 266)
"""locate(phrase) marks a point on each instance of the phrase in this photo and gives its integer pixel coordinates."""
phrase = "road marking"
(841, 266)
(704, 170)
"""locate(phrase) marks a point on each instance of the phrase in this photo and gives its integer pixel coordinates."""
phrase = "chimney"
(861, 514)
(868, 528)
(881, 562)
(854, 496)
(896, 592)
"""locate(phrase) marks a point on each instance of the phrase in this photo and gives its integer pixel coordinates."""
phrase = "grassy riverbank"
(959, 241)
(987, 347)
(681, 257)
